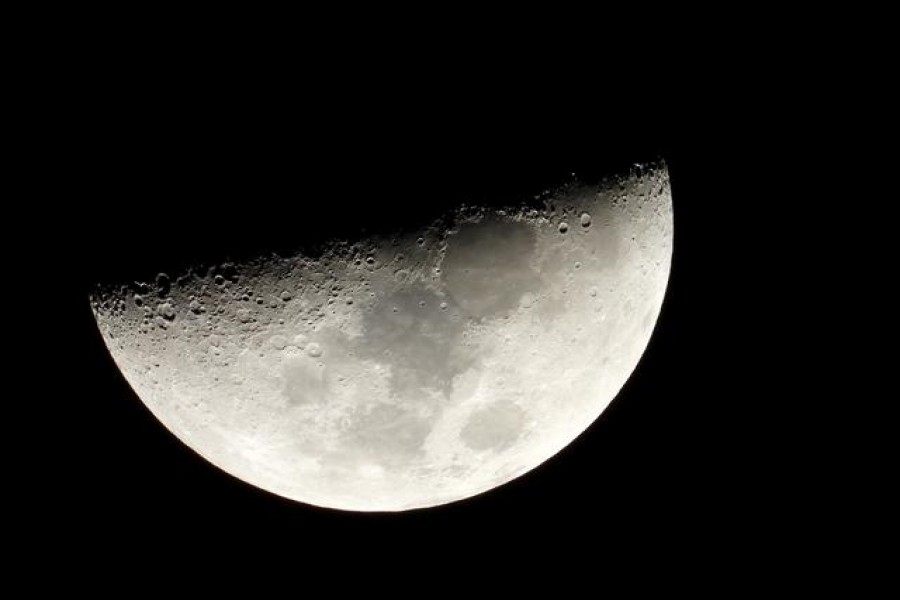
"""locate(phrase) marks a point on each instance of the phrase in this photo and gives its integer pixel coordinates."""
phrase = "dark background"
(153, 179)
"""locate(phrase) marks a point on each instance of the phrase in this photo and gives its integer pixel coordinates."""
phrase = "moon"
(394, 372)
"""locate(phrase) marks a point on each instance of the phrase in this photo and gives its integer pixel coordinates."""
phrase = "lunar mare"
(411, 370)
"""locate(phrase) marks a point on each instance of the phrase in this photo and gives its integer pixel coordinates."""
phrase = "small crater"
(585, 220)
(229, 271)
(279, 342)
(163, 284)
(166, 311)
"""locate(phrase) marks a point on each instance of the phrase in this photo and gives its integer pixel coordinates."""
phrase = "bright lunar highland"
(408, 370)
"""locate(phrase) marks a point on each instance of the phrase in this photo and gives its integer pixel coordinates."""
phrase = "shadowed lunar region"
(410, 370)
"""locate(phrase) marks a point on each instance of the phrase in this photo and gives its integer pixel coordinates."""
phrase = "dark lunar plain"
(160, 184)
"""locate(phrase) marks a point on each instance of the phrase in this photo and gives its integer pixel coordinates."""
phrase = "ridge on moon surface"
(396, 372)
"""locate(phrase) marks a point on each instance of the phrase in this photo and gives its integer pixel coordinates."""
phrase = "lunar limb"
(404, 371)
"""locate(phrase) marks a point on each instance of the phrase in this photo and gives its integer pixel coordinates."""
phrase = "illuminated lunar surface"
(405, 371)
